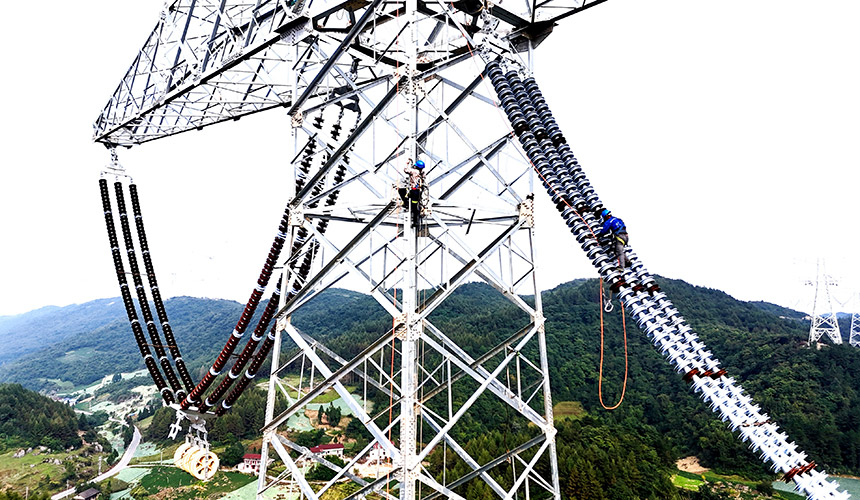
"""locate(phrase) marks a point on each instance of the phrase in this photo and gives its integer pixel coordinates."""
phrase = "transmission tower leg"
(412, 330)
(854, 337)
(270, 412)
(549, 429)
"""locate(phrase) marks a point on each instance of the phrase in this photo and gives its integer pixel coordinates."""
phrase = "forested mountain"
(28, 419)
(108, 346)
(812, 394)
(29, 332)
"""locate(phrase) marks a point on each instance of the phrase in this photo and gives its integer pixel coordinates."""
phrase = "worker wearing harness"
(413, 196)
(614, 228)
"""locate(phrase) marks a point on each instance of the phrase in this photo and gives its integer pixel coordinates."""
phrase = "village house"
(325, 450)
(89, 494)
(251, 463)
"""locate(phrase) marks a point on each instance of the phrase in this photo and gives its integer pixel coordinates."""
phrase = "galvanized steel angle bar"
(289, 307)
(485, 383)
(429, 376)
(298, 476)
(348, 467)
(529, 468)
(262, 488)
(491, 465)
(485, 151)
(357, 176)
(341, 471)
(486, 162)
(341, 49)
(337, 156)
(426, 414)
(477, 469)
(358, 90)
(457, 23)
(432, 483)
(389, 379)
(482, 270)
(478, 362)
(531, 475)
(326, 148)
(464, 362)
(460, 276)
(455, 103)
(538, 388)
(491, 280)
(376, 486)
(384, 299)
(109, 124)
(332, 378)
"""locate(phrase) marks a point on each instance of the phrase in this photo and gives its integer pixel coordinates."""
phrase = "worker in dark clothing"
(614, 230)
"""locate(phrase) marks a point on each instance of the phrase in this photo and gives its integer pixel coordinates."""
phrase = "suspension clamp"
(114, 167)
(175, 427)
(197, 422)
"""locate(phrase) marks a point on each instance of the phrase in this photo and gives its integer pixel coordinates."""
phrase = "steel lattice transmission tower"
(824, 321)
(370, 86)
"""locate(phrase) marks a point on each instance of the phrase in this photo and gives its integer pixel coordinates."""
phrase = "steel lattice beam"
(210, 61)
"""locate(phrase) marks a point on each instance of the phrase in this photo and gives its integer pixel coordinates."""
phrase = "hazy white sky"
(724, 134)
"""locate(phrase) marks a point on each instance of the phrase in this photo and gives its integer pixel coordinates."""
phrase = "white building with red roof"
(251, 463)
(326, 450)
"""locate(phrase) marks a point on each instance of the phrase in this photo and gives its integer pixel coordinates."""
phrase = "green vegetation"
(121, 390)
(626, 453)
(28, 419)
(688, 481)
(568, 409)
(103, 344)
(176, 484)
(711, 485)
(11, 495)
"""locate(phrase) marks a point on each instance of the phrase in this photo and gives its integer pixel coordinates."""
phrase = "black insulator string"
(128, 302)
(156, 292)
(142, 300)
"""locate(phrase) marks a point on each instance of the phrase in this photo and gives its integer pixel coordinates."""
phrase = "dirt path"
(691, 464)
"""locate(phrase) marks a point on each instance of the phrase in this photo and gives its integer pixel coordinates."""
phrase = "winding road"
(122, 464)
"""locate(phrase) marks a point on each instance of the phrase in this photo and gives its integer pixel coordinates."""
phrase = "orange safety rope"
(623, 316)
(600, 377)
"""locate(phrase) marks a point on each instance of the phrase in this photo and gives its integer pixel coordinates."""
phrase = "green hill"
(28, 419)
(25, 333)
(813, 395)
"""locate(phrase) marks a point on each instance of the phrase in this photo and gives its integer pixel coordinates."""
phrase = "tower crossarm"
(211, 61)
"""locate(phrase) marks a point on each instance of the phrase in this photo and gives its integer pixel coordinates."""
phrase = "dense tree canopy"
(28, 419)
(813, 395)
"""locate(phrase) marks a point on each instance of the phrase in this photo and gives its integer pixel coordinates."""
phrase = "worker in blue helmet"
(614, 230)
(416, 184)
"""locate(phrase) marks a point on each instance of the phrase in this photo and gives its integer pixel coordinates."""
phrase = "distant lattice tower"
(854, 337)
(823, 315)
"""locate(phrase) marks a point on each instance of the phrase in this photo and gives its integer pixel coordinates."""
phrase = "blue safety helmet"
(419, 164)
(605, 213)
